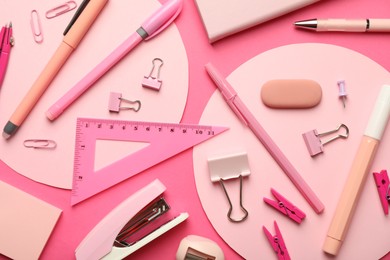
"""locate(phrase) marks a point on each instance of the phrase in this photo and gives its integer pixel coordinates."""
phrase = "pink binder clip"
(314, 143)
(285, 207)
(277, 243)
(114, 104)
(383, 185)
(153, 82)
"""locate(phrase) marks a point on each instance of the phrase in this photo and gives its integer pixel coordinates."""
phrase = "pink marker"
(358, 173)
(155, 24)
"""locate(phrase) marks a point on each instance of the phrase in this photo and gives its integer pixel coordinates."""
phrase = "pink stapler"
(383, 185)
(116, 237)
(285, 207)
(277, 243)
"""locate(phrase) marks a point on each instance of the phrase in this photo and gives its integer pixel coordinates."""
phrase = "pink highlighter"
(358, 173)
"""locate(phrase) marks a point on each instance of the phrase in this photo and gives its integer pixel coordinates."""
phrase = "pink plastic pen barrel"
(249, 119)
(156, 23)
(6, 35)
(3, 66)
(84, 84)
(280, 158)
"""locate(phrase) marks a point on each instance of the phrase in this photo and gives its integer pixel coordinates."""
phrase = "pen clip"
(237, 111)
(166, 24)
(76, 15)
(227, 91)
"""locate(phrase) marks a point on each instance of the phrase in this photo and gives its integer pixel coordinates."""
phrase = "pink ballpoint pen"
(156, 23)
(7, 42)
(243, 113)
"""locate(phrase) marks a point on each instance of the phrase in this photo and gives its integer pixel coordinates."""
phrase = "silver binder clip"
(153, 82)
(226, 168)
(315, 145)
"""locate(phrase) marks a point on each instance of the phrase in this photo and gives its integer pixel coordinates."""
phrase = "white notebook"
(222, 18)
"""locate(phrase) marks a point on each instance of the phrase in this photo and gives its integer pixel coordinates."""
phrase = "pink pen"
(249, 120)
(6, 35)
(156, 23)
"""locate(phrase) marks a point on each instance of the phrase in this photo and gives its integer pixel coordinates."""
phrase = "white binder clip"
(226, 168)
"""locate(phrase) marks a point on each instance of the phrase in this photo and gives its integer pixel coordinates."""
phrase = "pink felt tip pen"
(152, 26)
(358, 173)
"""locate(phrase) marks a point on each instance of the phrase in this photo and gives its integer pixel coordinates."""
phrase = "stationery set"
(146, 214)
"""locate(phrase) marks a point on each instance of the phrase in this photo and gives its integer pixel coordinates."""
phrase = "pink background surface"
(178, 173)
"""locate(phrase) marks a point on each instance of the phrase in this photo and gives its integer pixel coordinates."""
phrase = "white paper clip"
(61, 9)
(114, 104)
(40, 144)
(314, 143)
(226, 168)
(36, 27)
(153, 82)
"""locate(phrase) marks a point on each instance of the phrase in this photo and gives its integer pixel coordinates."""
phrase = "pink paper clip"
(40, 144)
(114, 104)
(315, 145)
(153, 82)
(36, 27)
(277, 243)
(383, 185)
(285, 207)
(61, 9)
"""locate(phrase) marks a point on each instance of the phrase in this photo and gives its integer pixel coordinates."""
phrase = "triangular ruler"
(165, 140)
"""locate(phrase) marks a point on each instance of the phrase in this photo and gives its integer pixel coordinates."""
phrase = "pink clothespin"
(315, 145)
(277, 243)
(285, 207)
(383, 185)
(153, 82)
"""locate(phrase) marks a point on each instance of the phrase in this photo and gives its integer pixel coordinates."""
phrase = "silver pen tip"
(307, 24)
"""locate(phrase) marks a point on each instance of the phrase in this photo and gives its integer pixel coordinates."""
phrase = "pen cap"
(84, 22)
(380, 114)
(162, 17)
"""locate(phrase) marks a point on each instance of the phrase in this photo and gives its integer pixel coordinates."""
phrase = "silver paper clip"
(36, 27)
(314, 143)
(153, 82)
(40, 144)
(114, 103)
(61, 9)
(230, 167)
